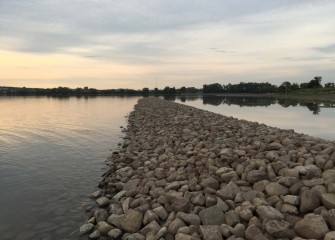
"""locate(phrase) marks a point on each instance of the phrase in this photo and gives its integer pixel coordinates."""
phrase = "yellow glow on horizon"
(14, 65)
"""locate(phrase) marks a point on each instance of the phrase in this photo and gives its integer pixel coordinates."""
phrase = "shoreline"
(186, 173)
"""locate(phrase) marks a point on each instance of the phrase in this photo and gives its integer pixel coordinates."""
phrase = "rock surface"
(183, 173)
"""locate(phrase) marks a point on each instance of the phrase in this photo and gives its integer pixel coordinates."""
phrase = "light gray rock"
(95, 234)
(86, 228)
(102, 201)
(270, 213)
(246, 214)
(95, 195)
(100, 215)
(119, 195)
(228, 192)
(115, 233)
(161, 213)
(150, 216)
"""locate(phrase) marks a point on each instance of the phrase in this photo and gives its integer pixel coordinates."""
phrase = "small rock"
(161, 213)
(175, 225)
(232, 218)
(190, 219)
(330, 236)
(270, 213)
(115, 233)
(100, 215)
(309, 200)
(103, 227)
(210, 232)
(95, 194)
(86, 228)
(102, 201)
(180, 204)
(328, 200)
(210, 182)
(276, 189)
(132, 221)
(212, 216)
(254, 176)
(279, 229)
(95, 234)
(254, 233)
(229, 192)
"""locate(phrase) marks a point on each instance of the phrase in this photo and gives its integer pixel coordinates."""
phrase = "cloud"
(242, 39)
(327, 49)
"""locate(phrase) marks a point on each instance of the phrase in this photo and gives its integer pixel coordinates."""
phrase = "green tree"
(315, 83)
(285, 86)
(330, 85)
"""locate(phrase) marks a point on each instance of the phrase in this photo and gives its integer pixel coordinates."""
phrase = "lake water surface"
(315, 118)
(52, 151)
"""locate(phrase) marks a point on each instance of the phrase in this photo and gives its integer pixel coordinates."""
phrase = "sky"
(140, 43)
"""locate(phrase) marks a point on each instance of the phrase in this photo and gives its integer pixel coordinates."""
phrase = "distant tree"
(294, 86)
(169, 91)
(315, 83)
(285, 86)
(145, 91)
(213, 88)
(330, 85)
(156, 91)
(303, 85)
(182, 90)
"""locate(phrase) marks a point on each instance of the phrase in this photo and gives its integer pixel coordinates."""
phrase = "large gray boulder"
(311, 226)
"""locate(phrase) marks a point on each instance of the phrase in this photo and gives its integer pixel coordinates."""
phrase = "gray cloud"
(327, 49)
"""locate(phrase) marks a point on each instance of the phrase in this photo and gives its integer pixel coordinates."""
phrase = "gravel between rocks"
(185, 173)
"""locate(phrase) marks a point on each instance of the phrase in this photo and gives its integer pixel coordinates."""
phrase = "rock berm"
(184, 173)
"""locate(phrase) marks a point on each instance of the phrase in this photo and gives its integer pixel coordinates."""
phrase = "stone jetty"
(189, 174)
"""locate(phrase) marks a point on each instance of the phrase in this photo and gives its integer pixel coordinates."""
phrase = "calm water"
(52, 152)
(315, 118)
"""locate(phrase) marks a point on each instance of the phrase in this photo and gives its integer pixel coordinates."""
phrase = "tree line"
(254, 87)
(242, 87)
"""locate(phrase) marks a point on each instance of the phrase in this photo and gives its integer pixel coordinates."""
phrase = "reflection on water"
(311, 105)
(52, 153)
(303, 115)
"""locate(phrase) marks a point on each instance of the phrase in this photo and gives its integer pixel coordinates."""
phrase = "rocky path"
(187, 174)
